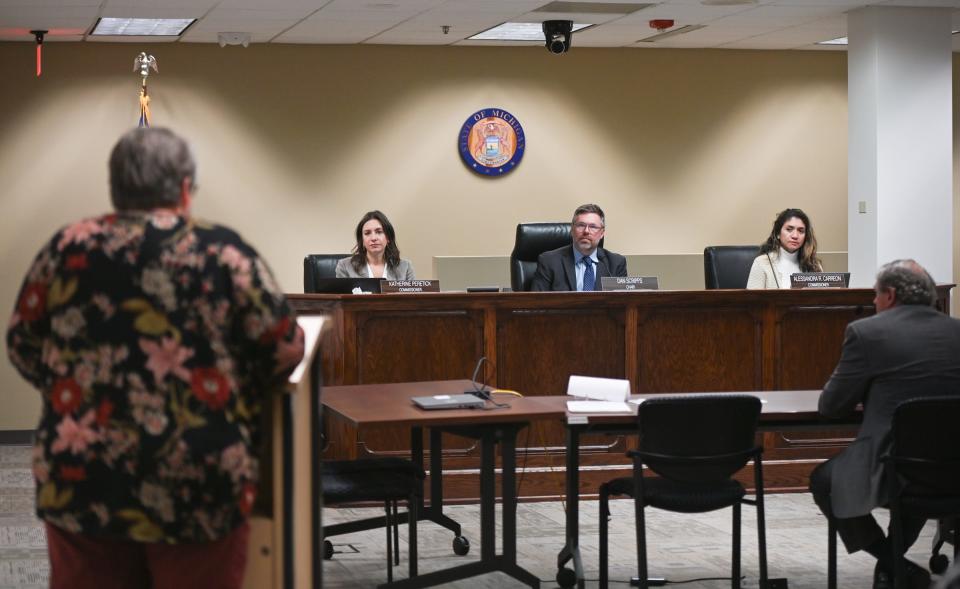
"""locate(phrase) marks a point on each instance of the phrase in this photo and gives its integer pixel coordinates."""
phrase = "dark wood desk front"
(669, 341)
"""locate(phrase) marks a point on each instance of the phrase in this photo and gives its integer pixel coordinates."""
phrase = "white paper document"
(600, 389)
(599, 407)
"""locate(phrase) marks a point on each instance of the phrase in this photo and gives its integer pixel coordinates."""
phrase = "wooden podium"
(281, 552)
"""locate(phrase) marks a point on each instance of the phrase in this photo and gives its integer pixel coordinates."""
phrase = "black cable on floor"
(667, 582)
(702, 579)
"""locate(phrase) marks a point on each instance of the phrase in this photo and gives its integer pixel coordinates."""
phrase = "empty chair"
(695, 444)
(728, 266)
(387, 480)
(319, 266)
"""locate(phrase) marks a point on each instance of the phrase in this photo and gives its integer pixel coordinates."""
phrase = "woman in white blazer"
(376, 254)
(790, 248)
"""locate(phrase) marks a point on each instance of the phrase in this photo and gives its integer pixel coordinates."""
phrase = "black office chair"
(319, 266)
(532, 240)
(923, 474)
(950, 578)
(695, 444)
(728, 266)
(947, 530)
(387, 480)
(923, 467)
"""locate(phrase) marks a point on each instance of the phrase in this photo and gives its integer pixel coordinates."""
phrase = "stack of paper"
(599, 407)
(598, 395)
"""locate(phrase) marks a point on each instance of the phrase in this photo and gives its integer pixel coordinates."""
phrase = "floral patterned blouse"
(155, 339)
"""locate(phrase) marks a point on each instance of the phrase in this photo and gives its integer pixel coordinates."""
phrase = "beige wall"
(682, 148)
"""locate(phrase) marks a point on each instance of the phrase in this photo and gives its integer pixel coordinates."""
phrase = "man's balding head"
(904, 282)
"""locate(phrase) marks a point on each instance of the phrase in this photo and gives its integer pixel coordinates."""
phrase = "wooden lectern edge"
(312, 325)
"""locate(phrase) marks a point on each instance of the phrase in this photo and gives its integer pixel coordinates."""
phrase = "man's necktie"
(589, 280)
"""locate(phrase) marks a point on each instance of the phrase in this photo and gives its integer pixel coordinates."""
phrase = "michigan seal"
(491, 142)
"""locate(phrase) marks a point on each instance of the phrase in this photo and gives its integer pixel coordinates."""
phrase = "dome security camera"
(558, 35)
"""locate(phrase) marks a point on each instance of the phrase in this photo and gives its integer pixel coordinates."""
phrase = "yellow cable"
(543, 443)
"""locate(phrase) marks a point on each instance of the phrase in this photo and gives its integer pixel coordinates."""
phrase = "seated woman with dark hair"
(376, 254)
(790, 248)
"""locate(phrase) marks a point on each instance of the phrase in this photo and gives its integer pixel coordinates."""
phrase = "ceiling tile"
(768, 24)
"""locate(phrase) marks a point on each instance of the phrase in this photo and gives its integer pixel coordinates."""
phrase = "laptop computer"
(458, 401)
(346, 285)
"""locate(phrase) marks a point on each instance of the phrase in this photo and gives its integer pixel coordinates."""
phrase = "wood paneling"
(538, 350)
(670, 341)
(442, 345)
(697, 350)
(415, 346)
(808, 340)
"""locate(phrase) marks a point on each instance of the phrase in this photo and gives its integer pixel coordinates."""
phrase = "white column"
(900, 192)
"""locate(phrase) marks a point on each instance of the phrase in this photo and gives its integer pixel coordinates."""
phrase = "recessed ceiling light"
(142, 27)
(837, 41)
(519, 31)
(843, 40)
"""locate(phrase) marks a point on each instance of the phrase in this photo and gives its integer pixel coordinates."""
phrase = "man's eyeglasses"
(587, 227)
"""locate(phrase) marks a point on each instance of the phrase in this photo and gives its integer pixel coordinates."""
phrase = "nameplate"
(610, 283)
(407, 286)
(820, 280)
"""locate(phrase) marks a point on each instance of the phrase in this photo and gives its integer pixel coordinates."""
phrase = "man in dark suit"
(908, 349)
(580, 265)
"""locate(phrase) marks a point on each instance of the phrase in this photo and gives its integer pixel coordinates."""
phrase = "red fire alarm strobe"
(661, 24)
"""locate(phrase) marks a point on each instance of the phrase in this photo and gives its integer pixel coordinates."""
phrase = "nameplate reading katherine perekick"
(406, 286)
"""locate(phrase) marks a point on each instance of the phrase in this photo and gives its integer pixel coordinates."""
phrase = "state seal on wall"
(491, 142)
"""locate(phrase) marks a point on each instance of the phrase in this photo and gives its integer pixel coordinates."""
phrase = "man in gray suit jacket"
(908, 349)
(581, 265)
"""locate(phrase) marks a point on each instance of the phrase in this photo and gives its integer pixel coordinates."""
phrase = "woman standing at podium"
(790, 248)
(376, 254)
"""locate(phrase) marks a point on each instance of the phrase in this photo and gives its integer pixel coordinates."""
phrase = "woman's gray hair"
(147, 169)
(911, 283)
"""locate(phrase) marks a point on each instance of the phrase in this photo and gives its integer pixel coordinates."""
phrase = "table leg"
(488, 497)
(435, 512)
(490, 561)
(416, 455)
(571, 550)
(508, 459)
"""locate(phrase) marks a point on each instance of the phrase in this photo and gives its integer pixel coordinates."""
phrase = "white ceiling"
(767, 24)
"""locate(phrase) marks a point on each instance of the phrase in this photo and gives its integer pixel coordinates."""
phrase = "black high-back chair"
(923, 474)
(728, 266)
(695, 444)
(532, 240)
(923, 468)
(319, 266)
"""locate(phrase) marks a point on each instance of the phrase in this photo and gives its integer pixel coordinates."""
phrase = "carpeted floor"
(681, 547)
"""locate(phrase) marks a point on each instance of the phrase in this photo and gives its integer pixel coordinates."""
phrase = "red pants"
(84, 562)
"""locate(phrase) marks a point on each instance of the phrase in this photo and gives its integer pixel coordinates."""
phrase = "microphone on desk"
(480, 390)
